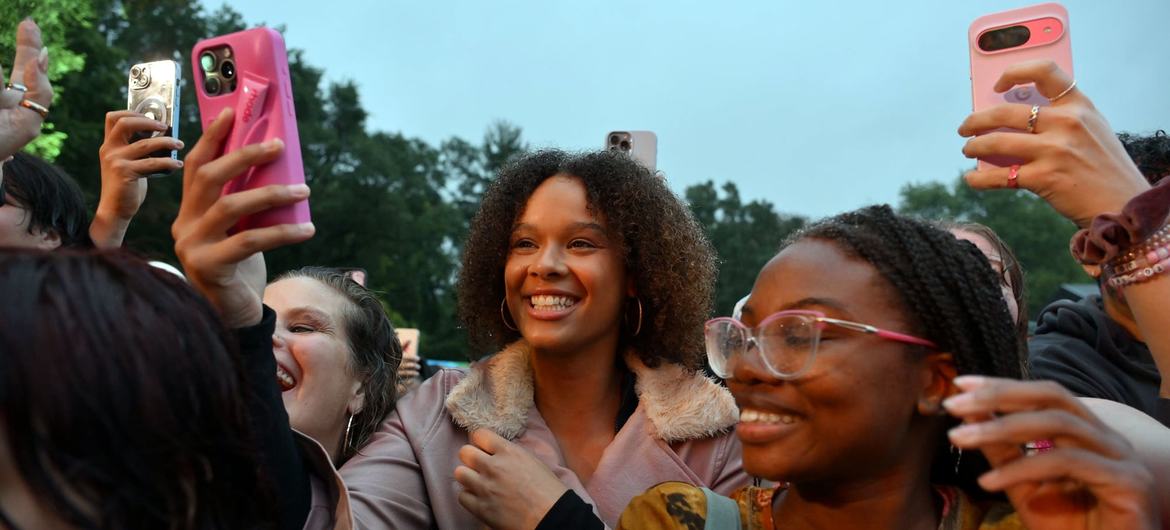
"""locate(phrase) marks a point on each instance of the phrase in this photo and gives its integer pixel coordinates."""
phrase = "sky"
(816, 107)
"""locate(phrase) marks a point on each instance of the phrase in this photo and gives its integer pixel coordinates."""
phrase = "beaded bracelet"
(1148, 273)
(1149, 247)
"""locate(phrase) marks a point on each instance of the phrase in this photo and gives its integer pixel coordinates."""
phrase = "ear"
(48, 239)
(357, 400)
(938, 376)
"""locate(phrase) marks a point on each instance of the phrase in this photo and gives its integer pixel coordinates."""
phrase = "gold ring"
(16, 86)
(35, 107)
(1065, 93)
(1032, 118)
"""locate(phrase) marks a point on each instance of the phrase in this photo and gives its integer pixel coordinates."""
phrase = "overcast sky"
(818, 107)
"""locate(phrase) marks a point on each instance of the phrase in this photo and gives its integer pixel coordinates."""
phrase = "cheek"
(323, 362)
(1013, 307)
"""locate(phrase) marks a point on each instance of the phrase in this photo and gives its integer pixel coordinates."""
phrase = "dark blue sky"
(817, 107)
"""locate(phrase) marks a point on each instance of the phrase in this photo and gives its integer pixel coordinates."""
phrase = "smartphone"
(1000, 40)
(642, 145)
(154, 92)
(248, 71)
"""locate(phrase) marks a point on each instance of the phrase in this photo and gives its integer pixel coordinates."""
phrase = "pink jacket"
(404, 476)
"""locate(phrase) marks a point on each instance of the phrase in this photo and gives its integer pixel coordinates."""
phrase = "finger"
(8, 98)
(31, 62)
(1064, 464)
(146, 146)
(128, 126)
(208, 146)
(211, 177)
(473, 457)
(1063, 428)
(488, 441)
(228, 210)
(471, 503)
(153, 165)
(991, 395)
(1007, 115)
(1003, 144)
(243, 245)
(1050, 80)
(113, 116)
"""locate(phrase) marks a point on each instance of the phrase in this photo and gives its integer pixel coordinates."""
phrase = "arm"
(124, 168)
(1150, 440)
(229, 271)
(1147, 301)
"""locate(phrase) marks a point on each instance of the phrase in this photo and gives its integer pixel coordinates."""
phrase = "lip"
(288, 370)
(761, 433)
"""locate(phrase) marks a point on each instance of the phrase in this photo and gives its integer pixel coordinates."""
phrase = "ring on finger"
(1014, 176)
(35, 107)
(16, 86)
(1031, 128)
(1070, 88)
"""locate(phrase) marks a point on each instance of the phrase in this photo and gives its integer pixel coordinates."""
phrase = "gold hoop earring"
(638, 327)
(504, 316)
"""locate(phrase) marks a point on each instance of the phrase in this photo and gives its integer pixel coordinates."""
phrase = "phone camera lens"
(614, 139)
(207, 61)
(625, 145)
(211, 85)
(227, 70)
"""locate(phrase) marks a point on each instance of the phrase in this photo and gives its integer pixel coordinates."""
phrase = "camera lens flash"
(1047, 29)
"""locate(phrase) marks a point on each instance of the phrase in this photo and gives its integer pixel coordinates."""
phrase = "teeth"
(760, 416)
(552, 303)
(286, 381)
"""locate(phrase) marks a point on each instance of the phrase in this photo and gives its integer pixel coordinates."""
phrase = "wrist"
(108, 231)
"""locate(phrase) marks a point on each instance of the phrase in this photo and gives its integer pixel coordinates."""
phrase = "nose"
(549, 263)
(748, 366)
(278, 342)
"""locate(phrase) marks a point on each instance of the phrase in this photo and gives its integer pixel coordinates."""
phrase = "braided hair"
(949, 294)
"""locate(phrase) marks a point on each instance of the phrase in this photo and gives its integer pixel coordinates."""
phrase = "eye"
(524, 243)
(581, 243)
(301, 328)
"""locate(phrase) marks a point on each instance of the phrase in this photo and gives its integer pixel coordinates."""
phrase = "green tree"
(1035, 232)
(745, 237)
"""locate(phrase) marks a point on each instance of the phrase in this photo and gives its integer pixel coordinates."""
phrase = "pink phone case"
(987, 67)
(264, 110)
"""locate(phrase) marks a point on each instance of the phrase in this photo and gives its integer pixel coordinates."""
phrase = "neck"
(578, 391)
(870, 504)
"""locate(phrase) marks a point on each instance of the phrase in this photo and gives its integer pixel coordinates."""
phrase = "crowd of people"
(880, 374)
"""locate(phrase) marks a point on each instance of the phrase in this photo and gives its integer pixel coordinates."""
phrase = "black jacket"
(1079, 346)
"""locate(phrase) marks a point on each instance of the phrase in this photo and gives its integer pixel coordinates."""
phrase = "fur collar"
(681, 406)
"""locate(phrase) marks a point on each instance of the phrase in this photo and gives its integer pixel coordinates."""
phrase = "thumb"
(488, 441)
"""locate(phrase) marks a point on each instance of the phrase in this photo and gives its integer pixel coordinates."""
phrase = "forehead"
(982, 243)
(559, 198)
(814, 269)
(298, 292)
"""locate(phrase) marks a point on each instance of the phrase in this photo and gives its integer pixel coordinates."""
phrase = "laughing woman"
(587, 280)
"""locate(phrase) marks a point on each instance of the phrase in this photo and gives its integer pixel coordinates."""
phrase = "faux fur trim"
(497, 394)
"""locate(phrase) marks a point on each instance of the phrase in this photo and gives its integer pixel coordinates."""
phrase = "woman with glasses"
(876, 369)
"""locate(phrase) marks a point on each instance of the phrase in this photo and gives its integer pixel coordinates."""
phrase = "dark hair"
(1013, 273)
(665, 252)
(122, 397)
(53, 200)
(374, 350)
(950, 296)
(1151, 154)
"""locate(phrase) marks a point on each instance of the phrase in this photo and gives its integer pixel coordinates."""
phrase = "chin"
(768, 464)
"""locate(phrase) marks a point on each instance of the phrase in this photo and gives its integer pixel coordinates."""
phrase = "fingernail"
(180, 163)
(990, 480)
(224, 112)
(179, 144)
(273, 144)
(306, 228)
(958, 402)
(970, 382)
(964, 434)
(298, 190)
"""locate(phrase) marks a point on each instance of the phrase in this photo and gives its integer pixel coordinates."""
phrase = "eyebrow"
(803, 303)
(572, 227)
(310, 312)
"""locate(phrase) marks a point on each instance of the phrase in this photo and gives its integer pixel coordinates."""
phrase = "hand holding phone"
(248, 71)
(154, 94)
(1000, 40)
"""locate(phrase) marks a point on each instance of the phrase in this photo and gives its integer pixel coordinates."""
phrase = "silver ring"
(1032, 119)
(1065, 93)
(16, 86)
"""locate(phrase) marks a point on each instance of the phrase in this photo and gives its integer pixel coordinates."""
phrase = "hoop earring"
(504, 316)
(638, 327)
(345, 440)
(958, 458)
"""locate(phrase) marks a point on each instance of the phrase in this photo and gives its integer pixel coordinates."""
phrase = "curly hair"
(1150, 153)
(374, 351)
(664, 250)
(950, 296)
